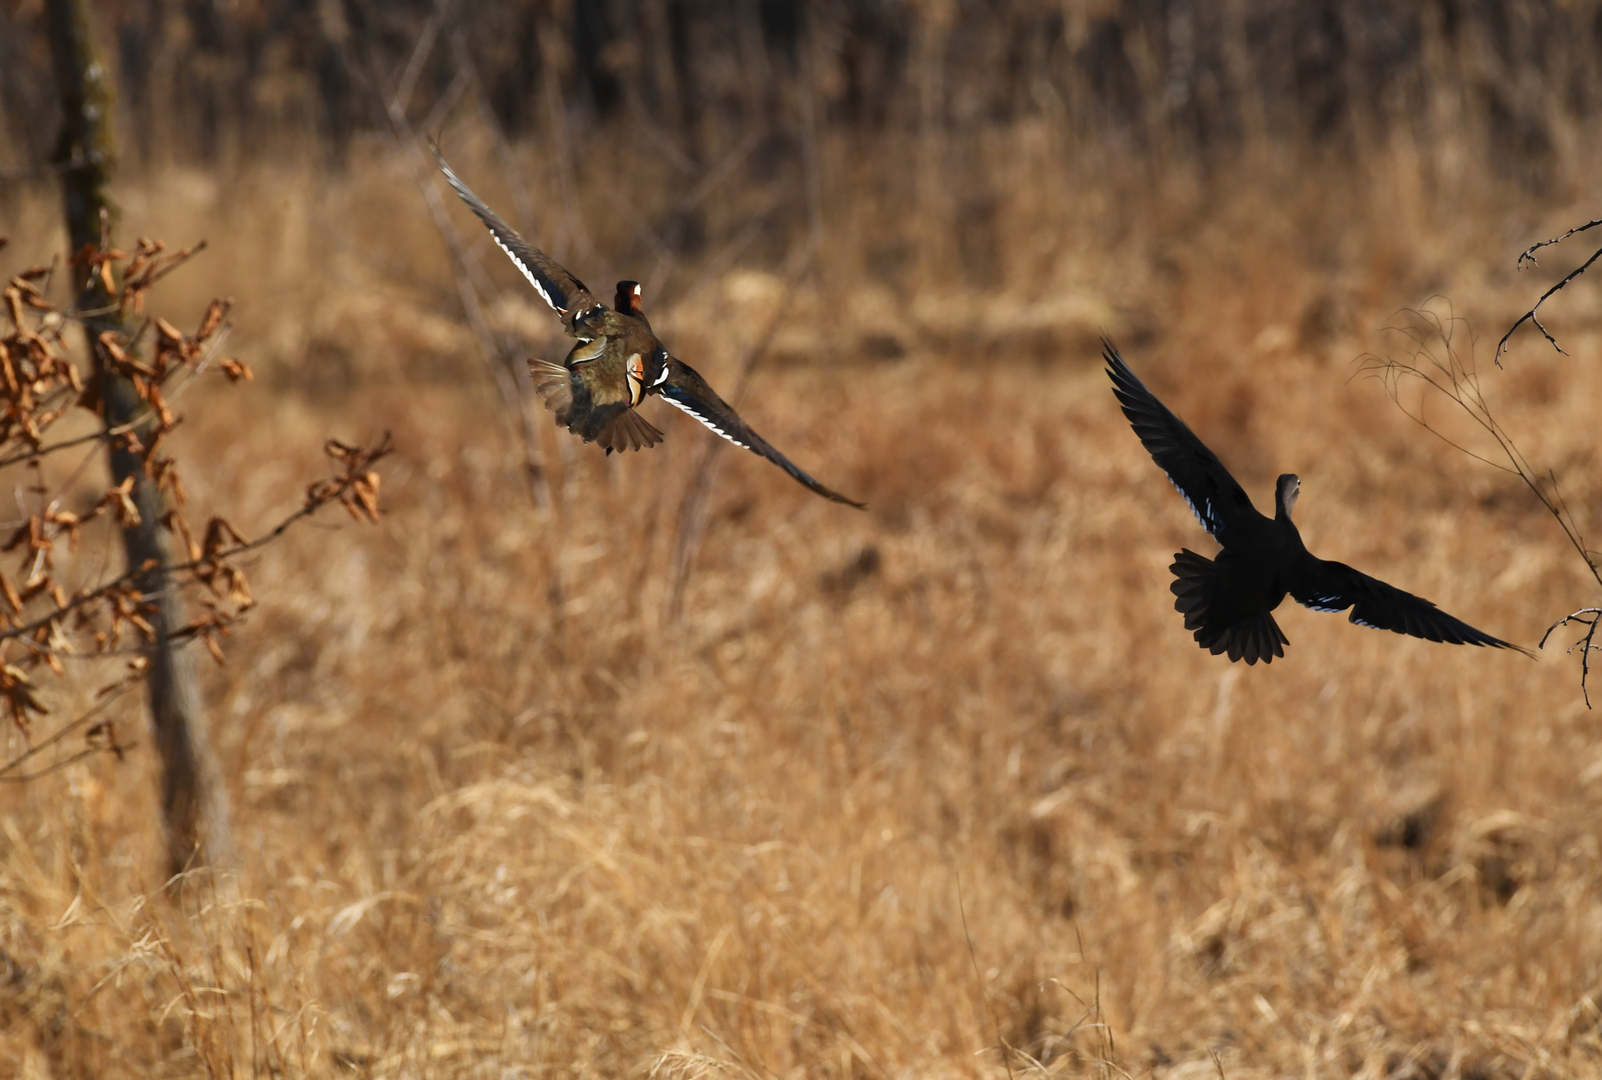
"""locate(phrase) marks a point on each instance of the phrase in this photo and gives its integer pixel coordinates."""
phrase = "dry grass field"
(896, 789)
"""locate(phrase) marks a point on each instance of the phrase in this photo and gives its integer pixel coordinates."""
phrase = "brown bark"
(193, 804)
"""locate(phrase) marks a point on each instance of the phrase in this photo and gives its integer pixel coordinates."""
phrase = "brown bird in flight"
(1227, 600)
(618, 362)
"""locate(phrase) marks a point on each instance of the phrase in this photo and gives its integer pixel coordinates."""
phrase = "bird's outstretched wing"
(560, 289)
(683, 388)
(1214, 496)
(1333, 586)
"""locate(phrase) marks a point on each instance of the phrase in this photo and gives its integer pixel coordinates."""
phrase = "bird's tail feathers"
(1258, 637)
(553, 382)
(628, 430)
(1194, 579)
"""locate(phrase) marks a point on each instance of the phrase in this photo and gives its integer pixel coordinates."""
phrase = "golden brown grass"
(900, 787)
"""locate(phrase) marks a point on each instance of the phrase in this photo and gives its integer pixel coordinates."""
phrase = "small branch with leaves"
(44, 619)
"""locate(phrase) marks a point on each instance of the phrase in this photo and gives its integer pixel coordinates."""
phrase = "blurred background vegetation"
(218, 83)
(995, 120)
(611, 780)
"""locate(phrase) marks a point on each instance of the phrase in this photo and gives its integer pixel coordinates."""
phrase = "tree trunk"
(194, 806)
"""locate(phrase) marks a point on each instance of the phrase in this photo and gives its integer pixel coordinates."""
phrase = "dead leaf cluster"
(51, 608)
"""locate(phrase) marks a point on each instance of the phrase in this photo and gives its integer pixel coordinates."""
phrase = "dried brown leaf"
(9, 591)
(215, 314)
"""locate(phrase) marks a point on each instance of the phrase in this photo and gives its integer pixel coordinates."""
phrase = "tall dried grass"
(897, 790)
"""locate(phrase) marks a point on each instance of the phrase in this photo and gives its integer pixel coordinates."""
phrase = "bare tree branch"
(693, 507)
(337, 489)
(692, 510)
(1528, 254)
(1591, 618)
(104, 699)
(501, 367)
(1533, 315)
(1441, 369)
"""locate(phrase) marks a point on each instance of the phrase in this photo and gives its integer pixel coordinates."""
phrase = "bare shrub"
(1441, 367)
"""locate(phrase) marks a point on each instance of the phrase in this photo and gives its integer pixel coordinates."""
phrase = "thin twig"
(731, 251)
(59, 765)
(719, 172)
(490, 352)
(402, 97)
(173, 262)
(1533, 315)
(103, 434)
(123, 581)
(447, 101)
(1459, 384)
(66, 729)
(653, 131)
(515, 182)
(1529, 253)
(1584, 644)
(693, 507)
(973, 958)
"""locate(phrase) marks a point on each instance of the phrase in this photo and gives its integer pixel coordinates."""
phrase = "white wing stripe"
(1206, 518)
(481, 209)
(677, 404)
(528, 273)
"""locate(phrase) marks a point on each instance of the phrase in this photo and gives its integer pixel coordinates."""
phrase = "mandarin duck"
(617, 362)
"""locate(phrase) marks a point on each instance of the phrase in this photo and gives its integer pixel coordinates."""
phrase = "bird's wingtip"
(834, 496)
(1117, 368)
(450, 174)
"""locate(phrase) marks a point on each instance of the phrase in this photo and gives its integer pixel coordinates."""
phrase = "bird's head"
(628, 299)
(1285, 492)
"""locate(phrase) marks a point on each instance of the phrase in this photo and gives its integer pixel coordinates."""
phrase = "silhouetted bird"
(618, 361)
(1227, 600)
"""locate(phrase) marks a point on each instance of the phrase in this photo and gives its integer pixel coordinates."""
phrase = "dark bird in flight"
(1227, 600)
(618, 362)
